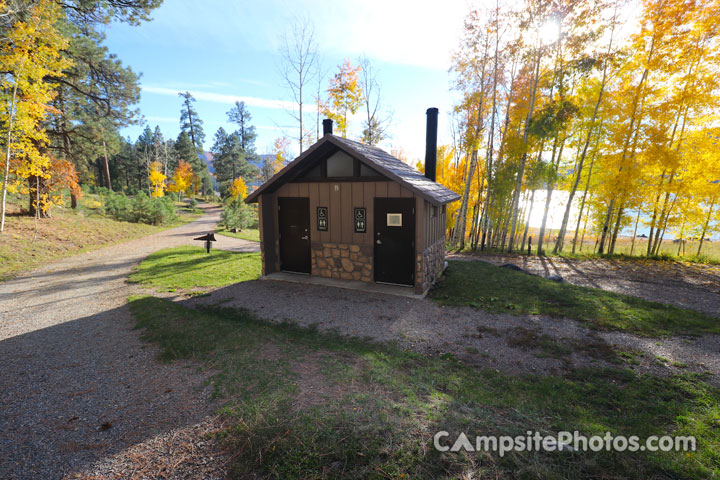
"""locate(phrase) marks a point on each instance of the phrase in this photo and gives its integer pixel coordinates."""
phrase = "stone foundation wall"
(343, 261)
(429, 266)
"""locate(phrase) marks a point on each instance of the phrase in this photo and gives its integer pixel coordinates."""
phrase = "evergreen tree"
(190, 123)
(241, 116)
(95, 97)
(230, 160)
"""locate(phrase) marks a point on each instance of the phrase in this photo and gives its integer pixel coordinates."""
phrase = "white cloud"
(406, 32)
(223, 98)
(162, 119)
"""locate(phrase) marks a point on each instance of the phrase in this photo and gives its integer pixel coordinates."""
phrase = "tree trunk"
(637, 220)
(653, 219)
(6, 178)
(521, 169)
(566, 216)
(527, 223)
(461, 222)
(491, 134)
(616, 230)
(551, 188)
(584, 197)
(582, 239)
(38, 188)
(603, 236)
(705, 227)
(106, 163)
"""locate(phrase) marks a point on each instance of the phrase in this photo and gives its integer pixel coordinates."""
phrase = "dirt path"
(78, 385)
(692, 286)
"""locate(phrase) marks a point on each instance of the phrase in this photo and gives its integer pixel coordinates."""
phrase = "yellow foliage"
(182, 179)
(30, 54)
(344, 96)
(157, 180)
(238, 189)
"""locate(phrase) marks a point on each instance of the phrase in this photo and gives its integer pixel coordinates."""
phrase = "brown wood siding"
(323, 201)
(341, 208)
(268, 230)
(420, 225)
(358, 192)
(434, 230)
(346, 213)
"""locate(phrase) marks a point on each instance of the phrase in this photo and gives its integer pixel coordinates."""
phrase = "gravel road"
(77, 385)
(513, 344)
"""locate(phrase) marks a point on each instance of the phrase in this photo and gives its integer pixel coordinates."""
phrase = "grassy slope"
(193, 268)
(67, 233)
(481, 285)
(59, 237)
(373, 409)
(252, 234)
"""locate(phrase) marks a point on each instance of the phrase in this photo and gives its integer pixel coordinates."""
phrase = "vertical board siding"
(324, 201)
(434, 230)
(314, 203)
(381, 189)
(368, 196)
(335, 213)
(420, 228)
(303, 190)
(393, 189)
(358, 202)
(346, 204)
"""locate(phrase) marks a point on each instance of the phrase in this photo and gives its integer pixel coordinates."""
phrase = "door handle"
(305, 237)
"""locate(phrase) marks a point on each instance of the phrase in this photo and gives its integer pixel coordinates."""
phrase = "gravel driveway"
(512, 344)
(77, 385)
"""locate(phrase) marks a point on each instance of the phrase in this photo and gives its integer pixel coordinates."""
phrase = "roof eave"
(253, 197)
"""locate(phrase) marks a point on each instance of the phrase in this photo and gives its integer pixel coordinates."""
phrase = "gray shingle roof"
(407, 175)
(376, 158)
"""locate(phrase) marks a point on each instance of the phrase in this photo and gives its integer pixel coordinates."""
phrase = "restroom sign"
(360, 220)
(322, 219)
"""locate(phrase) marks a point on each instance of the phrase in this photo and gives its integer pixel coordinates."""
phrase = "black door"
(395, 240)
(294, 220)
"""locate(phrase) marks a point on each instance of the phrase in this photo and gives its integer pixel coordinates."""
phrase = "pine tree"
(190, 123)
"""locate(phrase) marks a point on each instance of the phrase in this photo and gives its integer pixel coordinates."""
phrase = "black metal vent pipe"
(327, 127)
(431, 143)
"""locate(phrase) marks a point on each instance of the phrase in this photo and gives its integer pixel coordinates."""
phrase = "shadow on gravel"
(79, 391)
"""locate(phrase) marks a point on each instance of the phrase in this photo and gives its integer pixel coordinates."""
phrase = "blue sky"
(227, 51)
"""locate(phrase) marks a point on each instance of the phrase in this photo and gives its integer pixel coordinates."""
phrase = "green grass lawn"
(481, 285)
(191, 268)
(303, 404)
(252, 234)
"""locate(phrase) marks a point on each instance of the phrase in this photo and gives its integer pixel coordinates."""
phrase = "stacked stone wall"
(429, 266)
(342, 261)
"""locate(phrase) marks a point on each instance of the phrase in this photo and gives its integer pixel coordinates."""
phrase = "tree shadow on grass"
(478, 283)
(395, 401)
(162, 265)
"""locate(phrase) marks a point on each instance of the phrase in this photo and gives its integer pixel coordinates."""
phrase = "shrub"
(236, 215)
(117, 206)
(141, 209)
